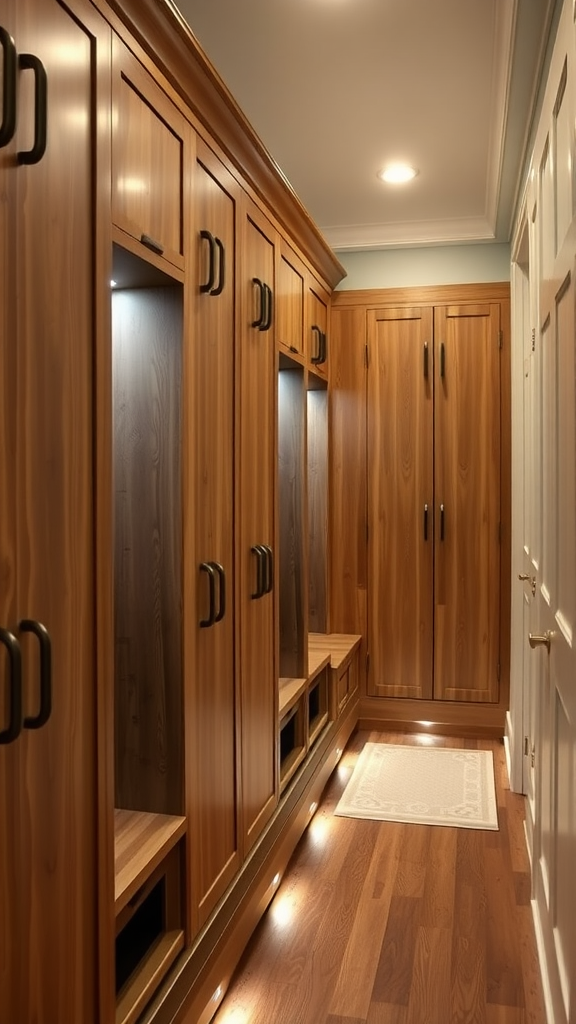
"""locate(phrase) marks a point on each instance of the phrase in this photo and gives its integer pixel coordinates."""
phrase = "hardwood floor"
(385, 923)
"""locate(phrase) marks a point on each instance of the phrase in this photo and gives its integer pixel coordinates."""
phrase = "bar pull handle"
(425, 360)
(317, 358)
(258, 550)
(40, 631)
(152, 244)
(221, 268)
(12, 731)
(209, 284)
(8, 126)
(208, 568)
(441, 522)
(222, 591)
(266, 325)
(323, 348)
(269, 576)
(442, 359)
(425, 522)
(28, 61)
(259, 320)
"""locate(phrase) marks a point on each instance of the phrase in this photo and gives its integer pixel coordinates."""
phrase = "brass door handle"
(529, 579)
(537, 639)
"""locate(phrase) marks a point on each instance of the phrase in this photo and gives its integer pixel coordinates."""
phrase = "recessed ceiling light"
(397, 174)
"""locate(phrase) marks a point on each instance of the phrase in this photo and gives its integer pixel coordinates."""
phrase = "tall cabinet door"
(48, 927)
(400, 502)
(467, 502)
(256, 412)
(214, 778)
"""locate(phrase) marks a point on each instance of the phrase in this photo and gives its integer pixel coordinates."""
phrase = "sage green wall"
(427, 265)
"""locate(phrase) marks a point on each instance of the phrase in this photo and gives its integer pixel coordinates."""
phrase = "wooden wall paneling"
(148, 159)
(318, 507)
(467, 485)
(49, 908)
(212, 754)
(293, 532)
(400, 501)
(147, 371)
(256, 430)
(348, 509)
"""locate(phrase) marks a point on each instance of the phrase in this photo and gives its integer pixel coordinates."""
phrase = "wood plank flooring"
(385, 923)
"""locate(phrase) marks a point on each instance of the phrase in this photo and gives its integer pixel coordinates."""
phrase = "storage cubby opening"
(317, 705)
(291, 497)
(317, 462)
(140, 933)
(288, 737)
(147, 342)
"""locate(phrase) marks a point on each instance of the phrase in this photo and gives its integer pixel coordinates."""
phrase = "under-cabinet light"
(313, 807)
(217, 994)
(113, 284)
(276, 878)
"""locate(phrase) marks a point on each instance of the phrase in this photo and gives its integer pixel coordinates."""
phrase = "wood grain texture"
(213, 782)
(48, 804)
(148, 154)
(382, 922)
(290, 274)
(141, 841)
(256, 425)
(400, 502)
(318, 513)
(293, 531)
(467, 484)
(348, 511)
(147, 368)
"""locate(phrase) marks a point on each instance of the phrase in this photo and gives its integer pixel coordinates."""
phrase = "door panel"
(47, 888)
(256, 475)
(400, 502)
(215, 783)
(467, 503)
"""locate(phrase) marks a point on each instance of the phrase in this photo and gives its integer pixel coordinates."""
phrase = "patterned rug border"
(478, 809)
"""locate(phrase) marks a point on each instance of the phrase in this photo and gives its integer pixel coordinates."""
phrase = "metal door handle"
(540, 639)
(29, 61)
(208, 568)
(8, 125)
(209, 284)
(14, 726)
(43, 636)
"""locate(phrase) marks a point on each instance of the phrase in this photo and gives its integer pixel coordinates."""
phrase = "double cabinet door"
(231, 754)
(434, 502)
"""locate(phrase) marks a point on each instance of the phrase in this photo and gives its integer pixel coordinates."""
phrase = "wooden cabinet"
(212, 768)
(317, 328)
(291, 276)
(150, 160)
(48, 806)
(256, 495)
(434, 480)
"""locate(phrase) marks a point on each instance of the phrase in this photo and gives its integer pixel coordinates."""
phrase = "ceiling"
(338, 88)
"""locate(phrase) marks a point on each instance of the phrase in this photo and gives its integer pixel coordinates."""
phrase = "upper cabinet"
(317, 328)
(290, 301)
(150, 160)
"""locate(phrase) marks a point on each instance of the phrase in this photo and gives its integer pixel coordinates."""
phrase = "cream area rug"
(423, 785)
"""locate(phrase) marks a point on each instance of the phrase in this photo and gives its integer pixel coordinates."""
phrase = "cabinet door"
(467, 502)
(48, 930)
(317, 329)
(214, 780)
(400, 500)
(149, 155)
(256, 407)
(290, 295)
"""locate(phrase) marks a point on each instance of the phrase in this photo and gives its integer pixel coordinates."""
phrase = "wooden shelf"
(339, 647)
(317, 660)
(141, 841)
(133, 998)
(290, 691)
